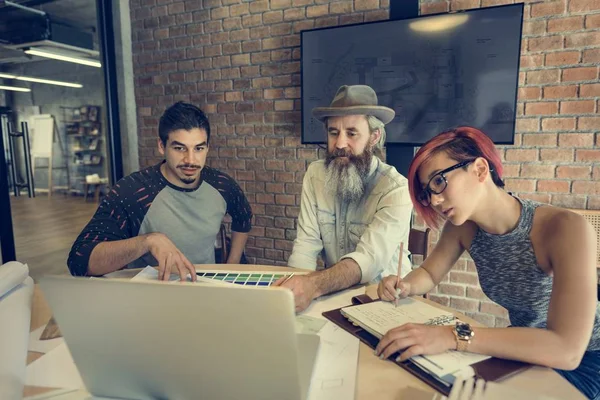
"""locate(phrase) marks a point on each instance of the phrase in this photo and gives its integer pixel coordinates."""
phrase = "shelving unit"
(85, 143)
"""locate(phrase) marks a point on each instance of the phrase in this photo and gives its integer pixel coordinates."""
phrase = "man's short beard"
(347, 180)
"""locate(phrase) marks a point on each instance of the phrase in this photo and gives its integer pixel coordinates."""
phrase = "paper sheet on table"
(42, 346)
(448, 362)
(15, 316)
(334, 376)
(54, 369)
(306, 324)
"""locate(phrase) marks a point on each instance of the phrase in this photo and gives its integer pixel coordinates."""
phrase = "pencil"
(399, 271)
(287, 278)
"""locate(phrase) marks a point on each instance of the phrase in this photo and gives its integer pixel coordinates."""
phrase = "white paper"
(334, 376)
(449, 362)
(15, 316)
(381, 316)
(12, 274)
(42, 346)
(55, 369)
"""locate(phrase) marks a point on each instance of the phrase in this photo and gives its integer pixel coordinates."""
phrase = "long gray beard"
(347, 181)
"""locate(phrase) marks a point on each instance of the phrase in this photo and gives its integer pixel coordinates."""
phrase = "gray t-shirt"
(146, 202)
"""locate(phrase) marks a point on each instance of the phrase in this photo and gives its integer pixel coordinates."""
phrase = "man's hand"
(303, 288)
(169, 258)
(391, 288)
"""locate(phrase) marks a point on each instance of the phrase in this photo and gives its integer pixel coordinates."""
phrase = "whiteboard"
(42, 134)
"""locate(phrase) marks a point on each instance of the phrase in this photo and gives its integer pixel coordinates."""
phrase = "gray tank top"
(510, 276)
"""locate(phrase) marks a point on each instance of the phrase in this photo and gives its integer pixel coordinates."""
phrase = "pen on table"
(287, 278)
(399, 271)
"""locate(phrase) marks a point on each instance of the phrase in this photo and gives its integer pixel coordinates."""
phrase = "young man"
(354, 206)
(168, 214)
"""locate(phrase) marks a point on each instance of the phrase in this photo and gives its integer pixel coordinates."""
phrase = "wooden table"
(376, 379)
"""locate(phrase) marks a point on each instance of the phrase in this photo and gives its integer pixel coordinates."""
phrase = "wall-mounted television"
(436, 71)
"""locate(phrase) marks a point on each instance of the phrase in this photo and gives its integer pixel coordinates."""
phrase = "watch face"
(464, 330)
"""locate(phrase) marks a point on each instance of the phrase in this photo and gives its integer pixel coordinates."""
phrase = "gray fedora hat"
(354, 100)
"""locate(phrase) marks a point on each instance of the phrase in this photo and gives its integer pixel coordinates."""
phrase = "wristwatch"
(464, 334)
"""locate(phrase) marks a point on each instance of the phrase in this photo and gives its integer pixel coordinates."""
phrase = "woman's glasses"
(438, 183)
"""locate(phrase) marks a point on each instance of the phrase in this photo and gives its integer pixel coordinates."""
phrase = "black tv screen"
(436, 71)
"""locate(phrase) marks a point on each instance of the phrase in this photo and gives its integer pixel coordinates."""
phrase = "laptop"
(154, 340)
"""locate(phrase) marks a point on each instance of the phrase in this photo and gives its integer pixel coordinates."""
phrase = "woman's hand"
(391, 288)
(416, 339)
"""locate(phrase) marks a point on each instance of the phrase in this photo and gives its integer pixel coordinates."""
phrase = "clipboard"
(492, 369)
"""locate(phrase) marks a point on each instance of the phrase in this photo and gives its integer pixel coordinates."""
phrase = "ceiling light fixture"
(61, 57)
(15, 88)
(40, 80)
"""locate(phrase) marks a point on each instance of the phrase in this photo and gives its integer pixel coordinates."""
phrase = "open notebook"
(378, 317)
(369, 320)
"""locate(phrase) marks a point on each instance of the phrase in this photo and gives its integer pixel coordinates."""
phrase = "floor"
(45, 229)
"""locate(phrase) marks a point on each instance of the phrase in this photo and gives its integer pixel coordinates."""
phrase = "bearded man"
(355, 208)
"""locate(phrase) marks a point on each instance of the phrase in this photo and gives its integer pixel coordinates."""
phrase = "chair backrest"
(16, 293)
(418, 242)
(223, 251)
(593, 217)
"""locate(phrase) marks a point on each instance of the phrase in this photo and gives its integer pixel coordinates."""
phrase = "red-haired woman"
(537, 261)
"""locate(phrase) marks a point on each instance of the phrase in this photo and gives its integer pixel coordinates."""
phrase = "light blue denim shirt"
(368, 231)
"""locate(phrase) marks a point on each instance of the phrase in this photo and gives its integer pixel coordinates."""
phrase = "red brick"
(539, 197)
(529, 93)
(520, 185)
(547, 8)
(342, 7)
(558, 155)
(272, 17)
(587, 155)
(572, 172)
(464, 304)
(593, 203)
(541, 108)
(589, 123)
(294, 14)
(239, 9)
(434, 8)
(539, 139)
(486, 320)
(537, 171)
(494, 309)
(463, 4)
(573, 23)
(532, 61)
(591, 56)
(280, 4)
(579, 74)
(464, 277)
(592, 21)
(586, 187)
(542, 77)
(563, 58)
(568, 200)
(590, 90)
(558, 124)
(545, 43)
(554, 186)
(527, 125)
(560, 92)
(574, 40)
(577, 107)
(534, 27)
(576, 6)
(576, 140)
(317, 11)
(363, 5)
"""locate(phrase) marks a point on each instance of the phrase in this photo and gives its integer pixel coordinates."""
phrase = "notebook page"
(379, 317)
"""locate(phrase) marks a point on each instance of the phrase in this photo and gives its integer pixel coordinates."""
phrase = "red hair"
(461, 144)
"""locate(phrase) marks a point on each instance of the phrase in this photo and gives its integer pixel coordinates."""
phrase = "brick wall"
(240, 62)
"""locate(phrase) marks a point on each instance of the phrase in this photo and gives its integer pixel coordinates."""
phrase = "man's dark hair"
(182, 116)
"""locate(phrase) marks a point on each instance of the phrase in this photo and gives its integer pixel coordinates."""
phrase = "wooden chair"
(418, 242)
(223, 246)
(593, 217)
(222, 251)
